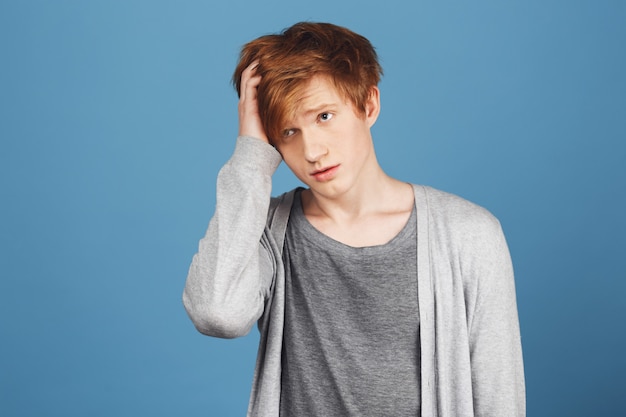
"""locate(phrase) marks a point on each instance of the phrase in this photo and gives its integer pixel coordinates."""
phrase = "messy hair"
(288, 60)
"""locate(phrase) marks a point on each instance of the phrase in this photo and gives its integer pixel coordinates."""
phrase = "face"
(327, 144)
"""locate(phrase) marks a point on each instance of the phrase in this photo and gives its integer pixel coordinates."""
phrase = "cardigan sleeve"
(477, 348)
(498, 386)
(231, 274)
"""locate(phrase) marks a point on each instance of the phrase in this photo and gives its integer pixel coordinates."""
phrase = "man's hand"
(249, 119)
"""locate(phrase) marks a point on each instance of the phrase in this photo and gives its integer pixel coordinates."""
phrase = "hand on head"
(249, 119)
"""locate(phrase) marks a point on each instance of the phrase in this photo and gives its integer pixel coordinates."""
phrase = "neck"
(362, 216)
(376, 193)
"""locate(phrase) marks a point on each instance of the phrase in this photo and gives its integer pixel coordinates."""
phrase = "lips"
(325, 174)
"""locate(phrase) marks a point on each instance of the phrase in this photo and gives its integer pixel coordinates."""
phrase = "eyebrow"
(318, 109)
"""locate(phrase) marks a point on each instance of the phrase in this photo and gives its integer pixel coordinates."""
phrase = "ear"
(372, 106)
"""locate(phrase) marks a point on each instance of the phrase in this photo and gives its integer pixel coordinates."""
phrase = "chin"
(330, 190)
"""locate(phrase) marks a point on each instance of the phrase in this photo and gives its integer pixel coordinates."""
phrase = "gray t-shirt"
(351, 337)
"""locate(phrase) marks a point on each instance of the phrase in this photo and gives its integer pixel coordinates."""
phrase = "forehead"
(318, 91)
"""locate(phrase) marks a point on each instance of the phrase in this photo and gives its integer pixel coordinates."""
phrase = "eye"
(288, 132)
(324, 117)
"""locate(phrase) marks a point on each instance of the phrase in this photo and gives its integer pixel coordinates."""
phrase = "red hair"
(287, 61)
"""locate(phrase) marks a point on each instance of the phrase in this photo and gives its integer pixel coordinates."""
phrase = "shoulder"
(455, 219)
(282, 200)
(279, 210)
(450, 207)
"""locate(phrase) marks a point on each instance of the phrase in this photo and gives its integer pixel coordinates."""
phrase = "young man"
(373, 297)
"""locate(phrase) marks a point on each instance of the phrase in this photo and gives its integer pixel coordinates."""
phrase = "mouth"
(326, 173)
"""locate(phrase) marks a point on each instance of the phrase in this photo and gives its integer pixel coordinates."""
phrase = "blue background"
(115, 117)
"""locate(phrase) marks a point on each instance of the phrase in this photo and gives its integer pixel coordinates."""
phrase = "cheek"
(297, 170)
(291, 158)
(286, 151)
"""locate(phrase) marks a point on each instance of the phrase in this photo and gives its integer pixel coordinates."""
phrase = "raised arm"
(232, 271)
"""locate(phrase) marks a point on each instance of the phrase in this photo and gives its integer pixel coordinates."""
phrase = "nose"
(314, 149)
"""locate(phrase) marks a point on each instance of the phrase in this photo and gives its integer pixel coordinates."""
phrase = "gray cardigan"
(471, 356)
